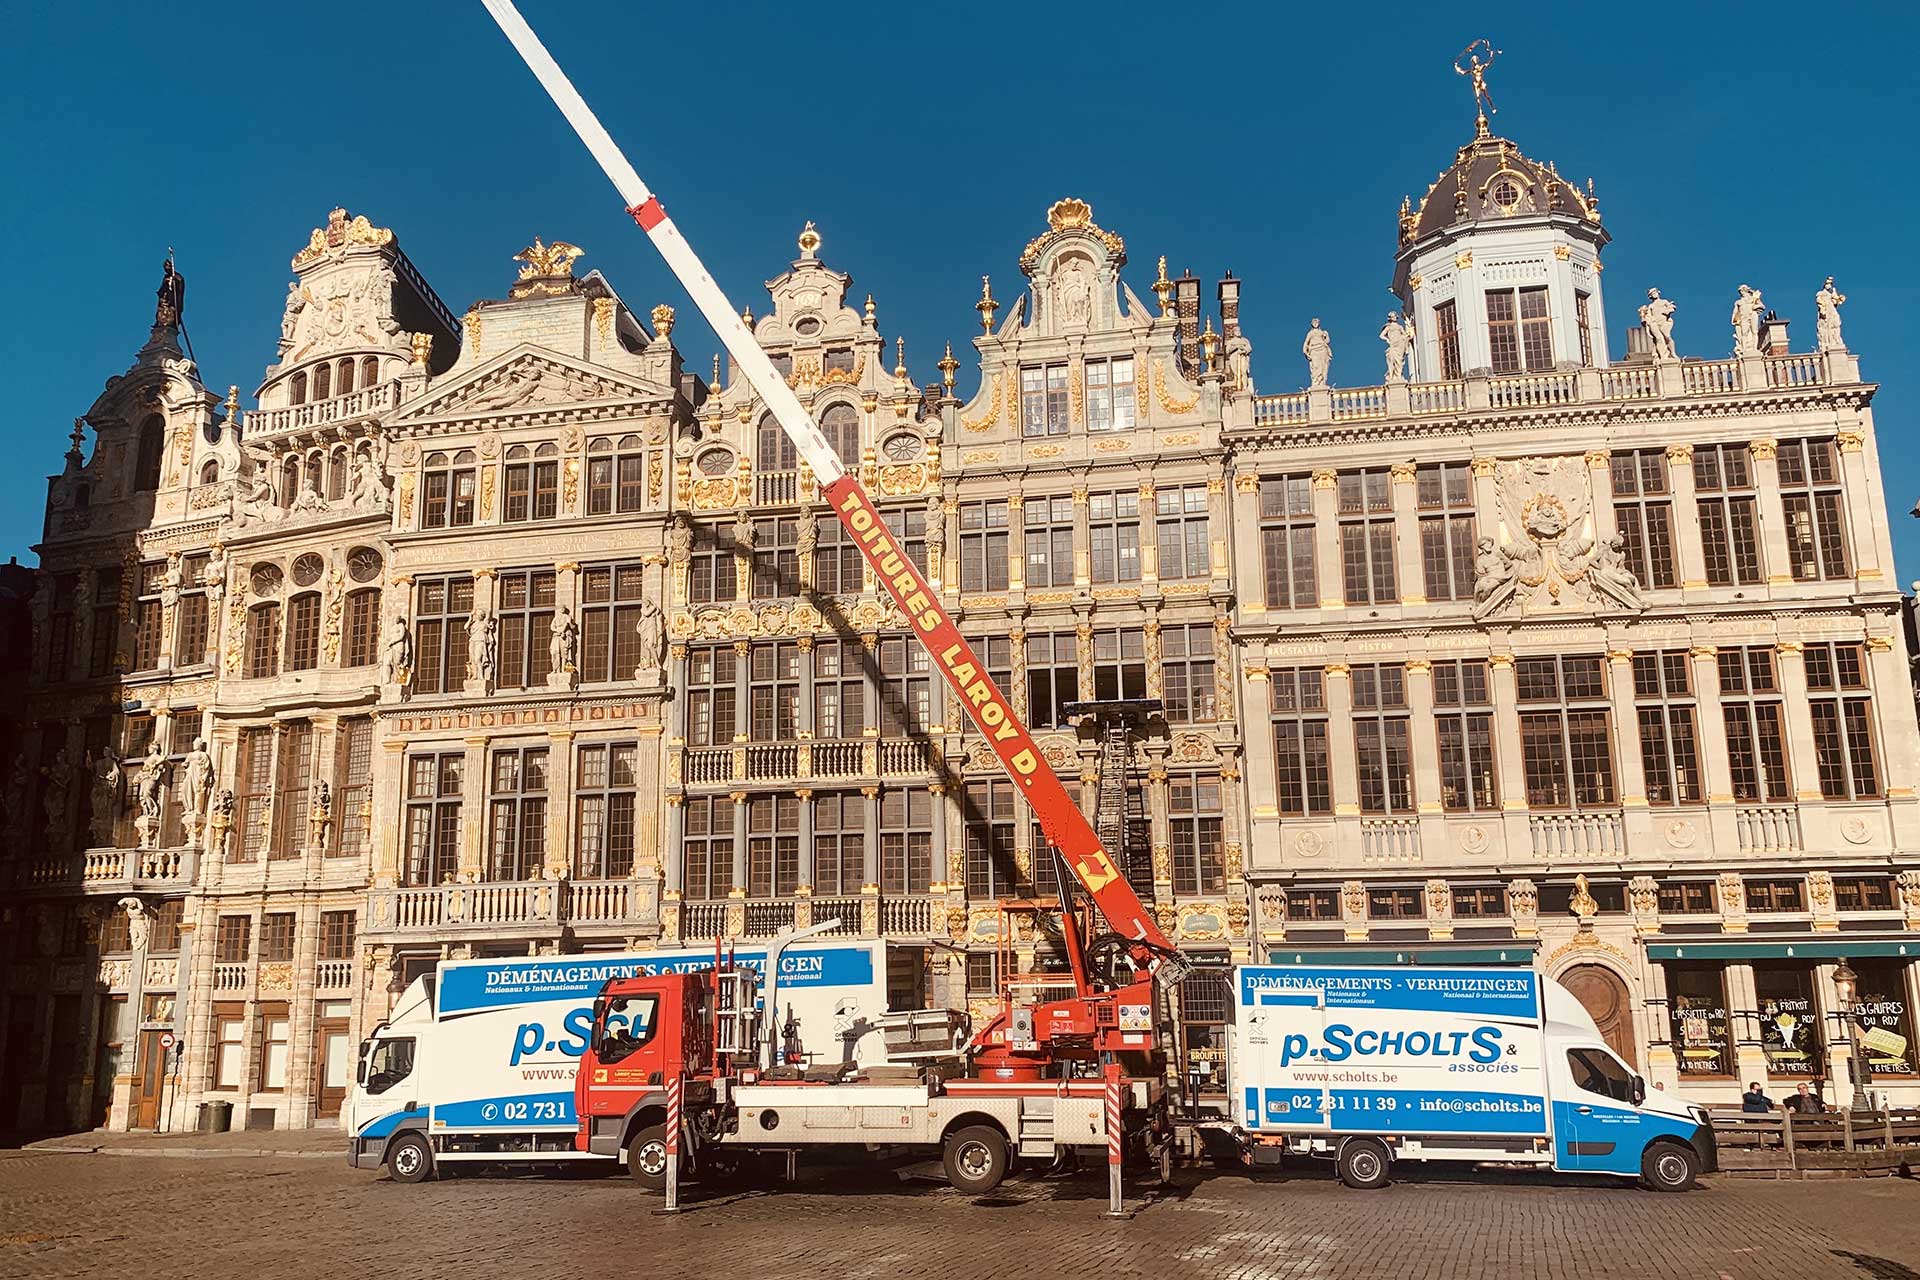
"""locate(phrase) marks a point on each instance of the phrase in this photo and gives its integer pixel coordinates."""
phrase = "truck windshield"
(1597, 1072)
(390, 1062)
(627, 1024)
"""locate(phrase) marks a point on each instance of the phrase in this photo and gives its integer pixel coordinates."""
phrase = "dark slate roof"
(1488, 180)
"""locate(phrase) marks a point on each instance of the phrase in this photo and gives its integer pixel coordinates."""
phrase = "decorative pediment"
(527, 379)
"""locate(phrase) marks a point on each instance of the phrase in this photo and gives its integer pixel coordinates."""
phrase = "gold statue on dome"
(547, 261)
(1476, 70)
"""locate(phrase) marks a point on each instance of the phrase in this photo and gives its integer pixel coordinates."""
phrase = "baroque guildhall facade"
(505, 633)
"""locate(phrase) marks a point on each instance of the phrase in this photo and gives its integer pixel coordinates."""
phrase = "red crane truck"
(1084, 1070)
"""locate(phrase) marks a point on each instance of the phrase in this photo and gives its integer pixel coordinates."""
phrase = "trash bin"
(216, 1117)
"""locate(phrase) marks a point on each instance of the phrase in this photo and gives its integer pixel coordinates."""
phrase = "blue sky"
(1762, 143)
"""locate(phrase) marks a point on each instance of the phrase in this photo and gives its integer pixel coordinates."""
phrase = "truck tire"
(1363, 1164)
(647, 1157)
(1669, 1166)
(410, 1158)
(976, 1158)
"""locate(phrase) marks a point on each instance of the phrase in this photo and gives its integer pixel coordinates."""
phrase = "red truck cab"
(644, 1029)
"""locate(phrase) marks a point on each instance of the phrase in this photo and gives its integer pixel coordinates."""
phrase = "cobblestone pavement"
(75, 1214)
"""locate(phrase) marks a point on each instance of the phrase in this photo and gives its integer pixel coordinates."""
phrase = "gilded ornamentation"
(406, 499)
(712, 493)
(1643, 893)
(1582, 902)
(906, 479)
(330, 627)
(1167, 402)
(488, 479)
(1353, 899)
(656, 478)
(1076, 392)
(603, 320)
(1065, 217)
(1764, 450)
(569, 482)
(1047, 451)
(991, 414)
(422, 344)
(1483, 467)
(1179, 439)
(471, 323)
(339, 233)
(1851, 441)
(547, 261)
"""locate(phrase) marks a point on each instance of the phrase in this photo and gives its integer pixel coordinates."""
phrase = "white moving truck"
(1369, 1065)
(478, 1057)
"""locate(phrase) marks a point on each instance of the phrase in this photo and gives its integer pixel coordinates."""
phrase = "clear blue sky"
(1764, 143)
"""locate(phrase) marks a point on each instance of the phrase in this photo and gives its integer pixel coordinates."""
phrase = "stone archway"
(1604, 996)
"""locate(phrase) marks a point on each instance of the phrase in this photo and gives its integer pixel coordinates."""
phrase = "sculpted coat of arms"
(1548, 554)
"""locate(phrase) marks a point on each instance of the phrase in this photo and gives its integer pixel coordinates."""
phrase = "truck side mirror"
(1639, 1090)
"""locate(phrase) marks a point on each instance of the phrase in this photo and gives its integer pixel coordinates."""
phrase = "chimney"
(1229, 306)
(1186, 307)
(1773, 334)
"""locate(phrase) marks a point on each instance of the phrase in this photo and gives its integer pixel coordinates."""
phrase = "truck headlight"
(1699, 1114)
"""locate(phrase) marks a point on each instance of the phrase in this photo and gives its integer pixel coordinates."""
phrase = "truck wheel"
(976, 1159)
(647, 1158)
(410, 1159)
(1668, 1166)
(1363, 1164)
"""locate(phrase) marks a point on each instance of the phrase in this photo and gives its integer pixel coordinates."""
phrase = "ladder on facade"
(1120, 806)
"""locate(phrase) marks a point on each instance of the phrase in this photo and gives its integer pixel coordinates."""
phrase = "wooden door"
(333, 1063)
(149, 1080)
(1605, 998)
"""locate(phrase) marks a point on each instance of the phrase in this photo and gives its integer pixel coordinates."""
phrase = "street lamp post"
(1846, 985)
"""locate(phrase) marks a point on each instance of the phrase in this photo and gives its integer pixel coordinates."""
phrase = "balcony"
(362, 403)
(1553, 389)
(333, 975)
(904, 914)
(1390, 841)
(831, 759)
(1591, 836)
(1768, 828)
(529, 906)
(107, 871)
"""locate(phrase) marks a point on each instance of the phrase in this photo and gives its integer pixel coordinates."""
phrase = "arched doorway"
(1605, 998)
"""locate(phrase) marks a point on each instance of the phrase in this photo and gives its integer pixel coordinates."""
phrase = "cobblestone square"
(86, 1215)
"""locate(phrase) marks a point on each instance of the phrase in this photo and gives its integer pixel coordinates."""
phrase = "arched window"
(774, 451)
(303, 632)
(289, 481)
(615, 475)
(153, 444)
(345, 378)
(210, 471)
(337, 475)
(360, 643)
(841, 426)
(299, 393)
(369, 371)
(322, 382)
(263, 640)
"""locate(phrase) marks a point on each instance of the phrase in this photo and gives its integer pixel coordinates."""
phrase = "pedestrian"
(1805, 1102)
(1755, 1099)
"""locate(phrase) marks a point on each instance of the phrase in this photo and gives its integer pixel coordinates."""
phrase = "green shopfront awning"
(1795, 949)
(1425, 953)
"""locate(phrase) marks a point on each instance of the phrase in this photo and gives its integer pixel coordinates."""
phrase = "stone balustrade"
(799, 761)
(363, 402)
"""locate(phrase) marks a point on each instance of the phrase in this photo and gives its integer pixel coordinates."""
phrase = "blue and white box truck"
(1371, 1065)
(477, 1061)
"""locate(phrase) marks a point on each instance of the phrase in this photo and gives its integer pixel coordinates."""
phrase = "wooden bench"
(1841, 1143)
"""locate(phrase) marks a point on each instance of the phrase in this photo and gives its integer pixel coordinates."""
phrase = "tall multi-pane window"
(1113, 521)
(1643, 510)
(711, 695)
(1053, 679)
(906, 687)
(146, 616)
(839, 842)
(233, 940)
(360, 639)
(1119, 664)
(711, 578)
(352, 785)
(1187, 674)
(983, 546)
(442, 607)
(610, 621)
(906, 840)
(433, 818)
(532, 484)
(1044, 400)
(774, 450)
(107, 585)
(1049, 533)
(1566, 738)
(253, 792)
(292, 791)
(1382, 738)
(276, 936)
(773, 845)
(614, 475)
(706, 847)
(776, 558)
(263, 640)
(839, 692)
(1445, 494)
(605, 789)
(190, 622)
(60, 627)
(1756, 724)
(1519, 335)
(1110, 389)
(336, 935)
(1304, 774)
(303, 631)
(1366, 536)
(908, 525)
(840, 424)
(1583, 320)
(1729, 514)
(1669, 740)
(991, 812)
(1463, 718)
(1180, 519)
(517, 813)
(524, 603)
(1843, 747)
(1286, 542)
(837, 561)
(1446, 330)
(1195, 817)
(1815, 509)
(773, 692)
(448, 492)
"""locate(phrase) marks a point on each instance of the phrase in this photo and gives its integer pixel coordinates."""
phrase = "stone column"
(1892, 685)
(558, 863)
(326, 749)
(1249, 566)
(1340, 754)
(302, 1086)
(1219, 533)
(473, 812)
(1486, 498)
(1426, 756)
(1743, 1019)
(1632, 791)
(1802, 759)
(1711, 728)
(1326, 540)
(805, 796)
(1406, 534)
(1686, 520)
(1600, 485)
(938, 843)
(1082, 540)
(1773, 515)
(1016, 542)
(1862, 532)
(1160, 832)
(739, 889)
(870, 860)
(1508, 756)
(1663, 1065)
(1836, 1034)
(1149, 534)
